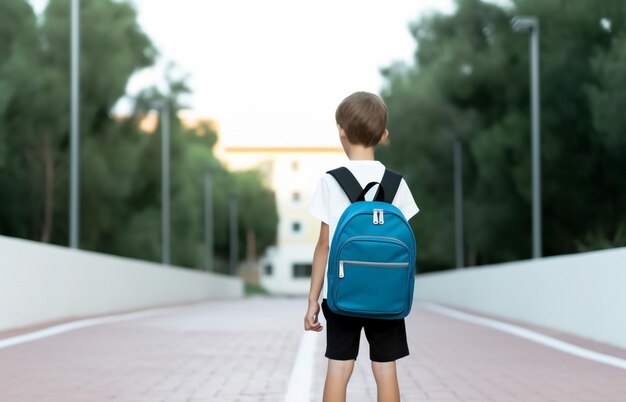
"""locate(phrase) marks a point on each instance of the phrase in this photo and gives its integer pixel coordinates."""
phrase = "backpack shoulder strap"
(347, 182)
(390, 183)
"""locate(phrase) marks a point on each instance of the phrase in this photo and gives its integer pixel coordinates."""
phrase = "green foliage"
(257, 209)
(120, 182)
(470, 78)
(17, 34)
(252, 289)
(112, 48)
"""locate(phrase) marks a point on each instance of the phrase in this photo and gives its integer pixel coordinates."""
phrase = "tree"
(17, 37)
(29, 123)
(609, 121)
(258, 214)
(471, 77)
(120, 165)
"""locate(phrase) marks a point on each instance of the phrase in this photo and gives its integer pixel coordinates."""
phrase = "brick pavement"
(216, 351)
(244, 351)
(454, 361)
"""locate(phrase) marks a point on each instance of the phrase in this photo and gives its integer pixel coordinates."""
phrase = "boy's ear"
(342, 132)
(383, 139)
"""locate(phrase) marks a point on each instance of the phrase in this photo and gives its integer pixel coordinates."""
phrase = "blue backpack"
(371, 267)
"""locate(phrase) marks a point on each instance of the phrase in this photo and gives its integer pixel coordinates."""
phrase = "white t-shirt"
(330, 201)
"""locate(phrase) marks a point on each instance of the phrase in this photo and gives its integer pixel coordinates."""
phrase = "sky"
(272, 72)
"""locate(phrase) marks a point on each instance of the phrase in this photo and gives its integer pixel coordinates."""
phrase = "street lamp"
(208, 219)
(458, 198)
(234, 232)
(74, 119)
(526, 24)
(164, 112)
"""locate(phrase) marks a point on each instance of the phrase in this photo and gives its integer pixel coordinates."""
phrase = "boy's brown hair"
(363, 117)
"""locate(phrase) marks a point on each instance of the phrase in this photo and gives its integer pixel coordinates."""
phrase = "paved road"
(246, 350)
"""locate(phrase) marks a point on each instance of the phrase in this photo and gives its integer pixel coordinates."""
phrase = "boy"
(361, 120)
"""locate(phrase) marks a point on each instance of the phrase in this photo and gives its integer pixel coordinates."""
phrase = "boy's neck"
(360, 153)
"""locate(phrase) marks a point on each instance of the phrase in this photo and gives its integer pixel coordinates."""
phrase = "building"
(292, 172)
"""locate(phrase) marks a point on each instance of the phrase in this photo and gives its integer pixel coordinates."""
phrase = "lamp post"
(234, 233)
(165, 173)
(164, 113)
(208, 220)
(526, 24)
(74, 119)
(457, 148)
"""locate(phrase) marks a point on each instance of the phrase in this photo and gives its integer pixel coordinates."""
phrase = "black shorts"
(387, 338)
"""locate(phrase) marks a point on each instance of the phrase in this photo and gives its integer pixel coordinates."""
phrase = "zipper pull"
(381, 216)
(375, 217)
(341, 273)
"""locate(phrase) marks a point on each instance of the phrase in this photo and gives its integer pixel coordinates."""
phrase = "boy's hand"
(311, 322)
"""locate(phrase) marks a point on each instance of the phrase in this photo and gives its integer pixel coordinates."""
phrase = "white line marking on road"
(530, 335)
(299, 389)
(71, 326)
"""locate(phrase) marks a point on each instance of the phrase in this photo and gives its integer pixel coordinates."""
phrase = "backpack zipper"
(378, 217)
(370, 264)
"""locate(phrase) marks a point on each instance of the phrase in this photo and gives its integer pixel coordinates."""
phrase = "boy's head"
(363, 118)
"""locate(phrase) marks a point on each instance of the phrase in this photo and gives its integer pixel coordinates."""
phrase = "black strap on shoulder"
(387, 190)
(347, 182)
(390, 183)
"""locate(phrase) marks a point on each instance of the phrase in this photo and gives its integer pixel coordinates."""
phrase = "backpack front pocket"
(372, 287)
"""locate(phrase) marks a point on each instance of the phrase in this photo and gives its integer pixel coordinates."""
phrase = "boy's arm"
(311, 321)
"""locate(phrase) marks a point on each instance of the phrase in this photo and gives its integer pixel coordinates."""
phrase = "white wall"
(40, 283)
(282, 281)
(583, 294)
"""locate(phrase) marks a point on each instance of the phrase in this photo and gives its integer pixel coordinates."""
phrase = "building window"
(296, 227)
(295, 196)
(302, 270)
(269, 269)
